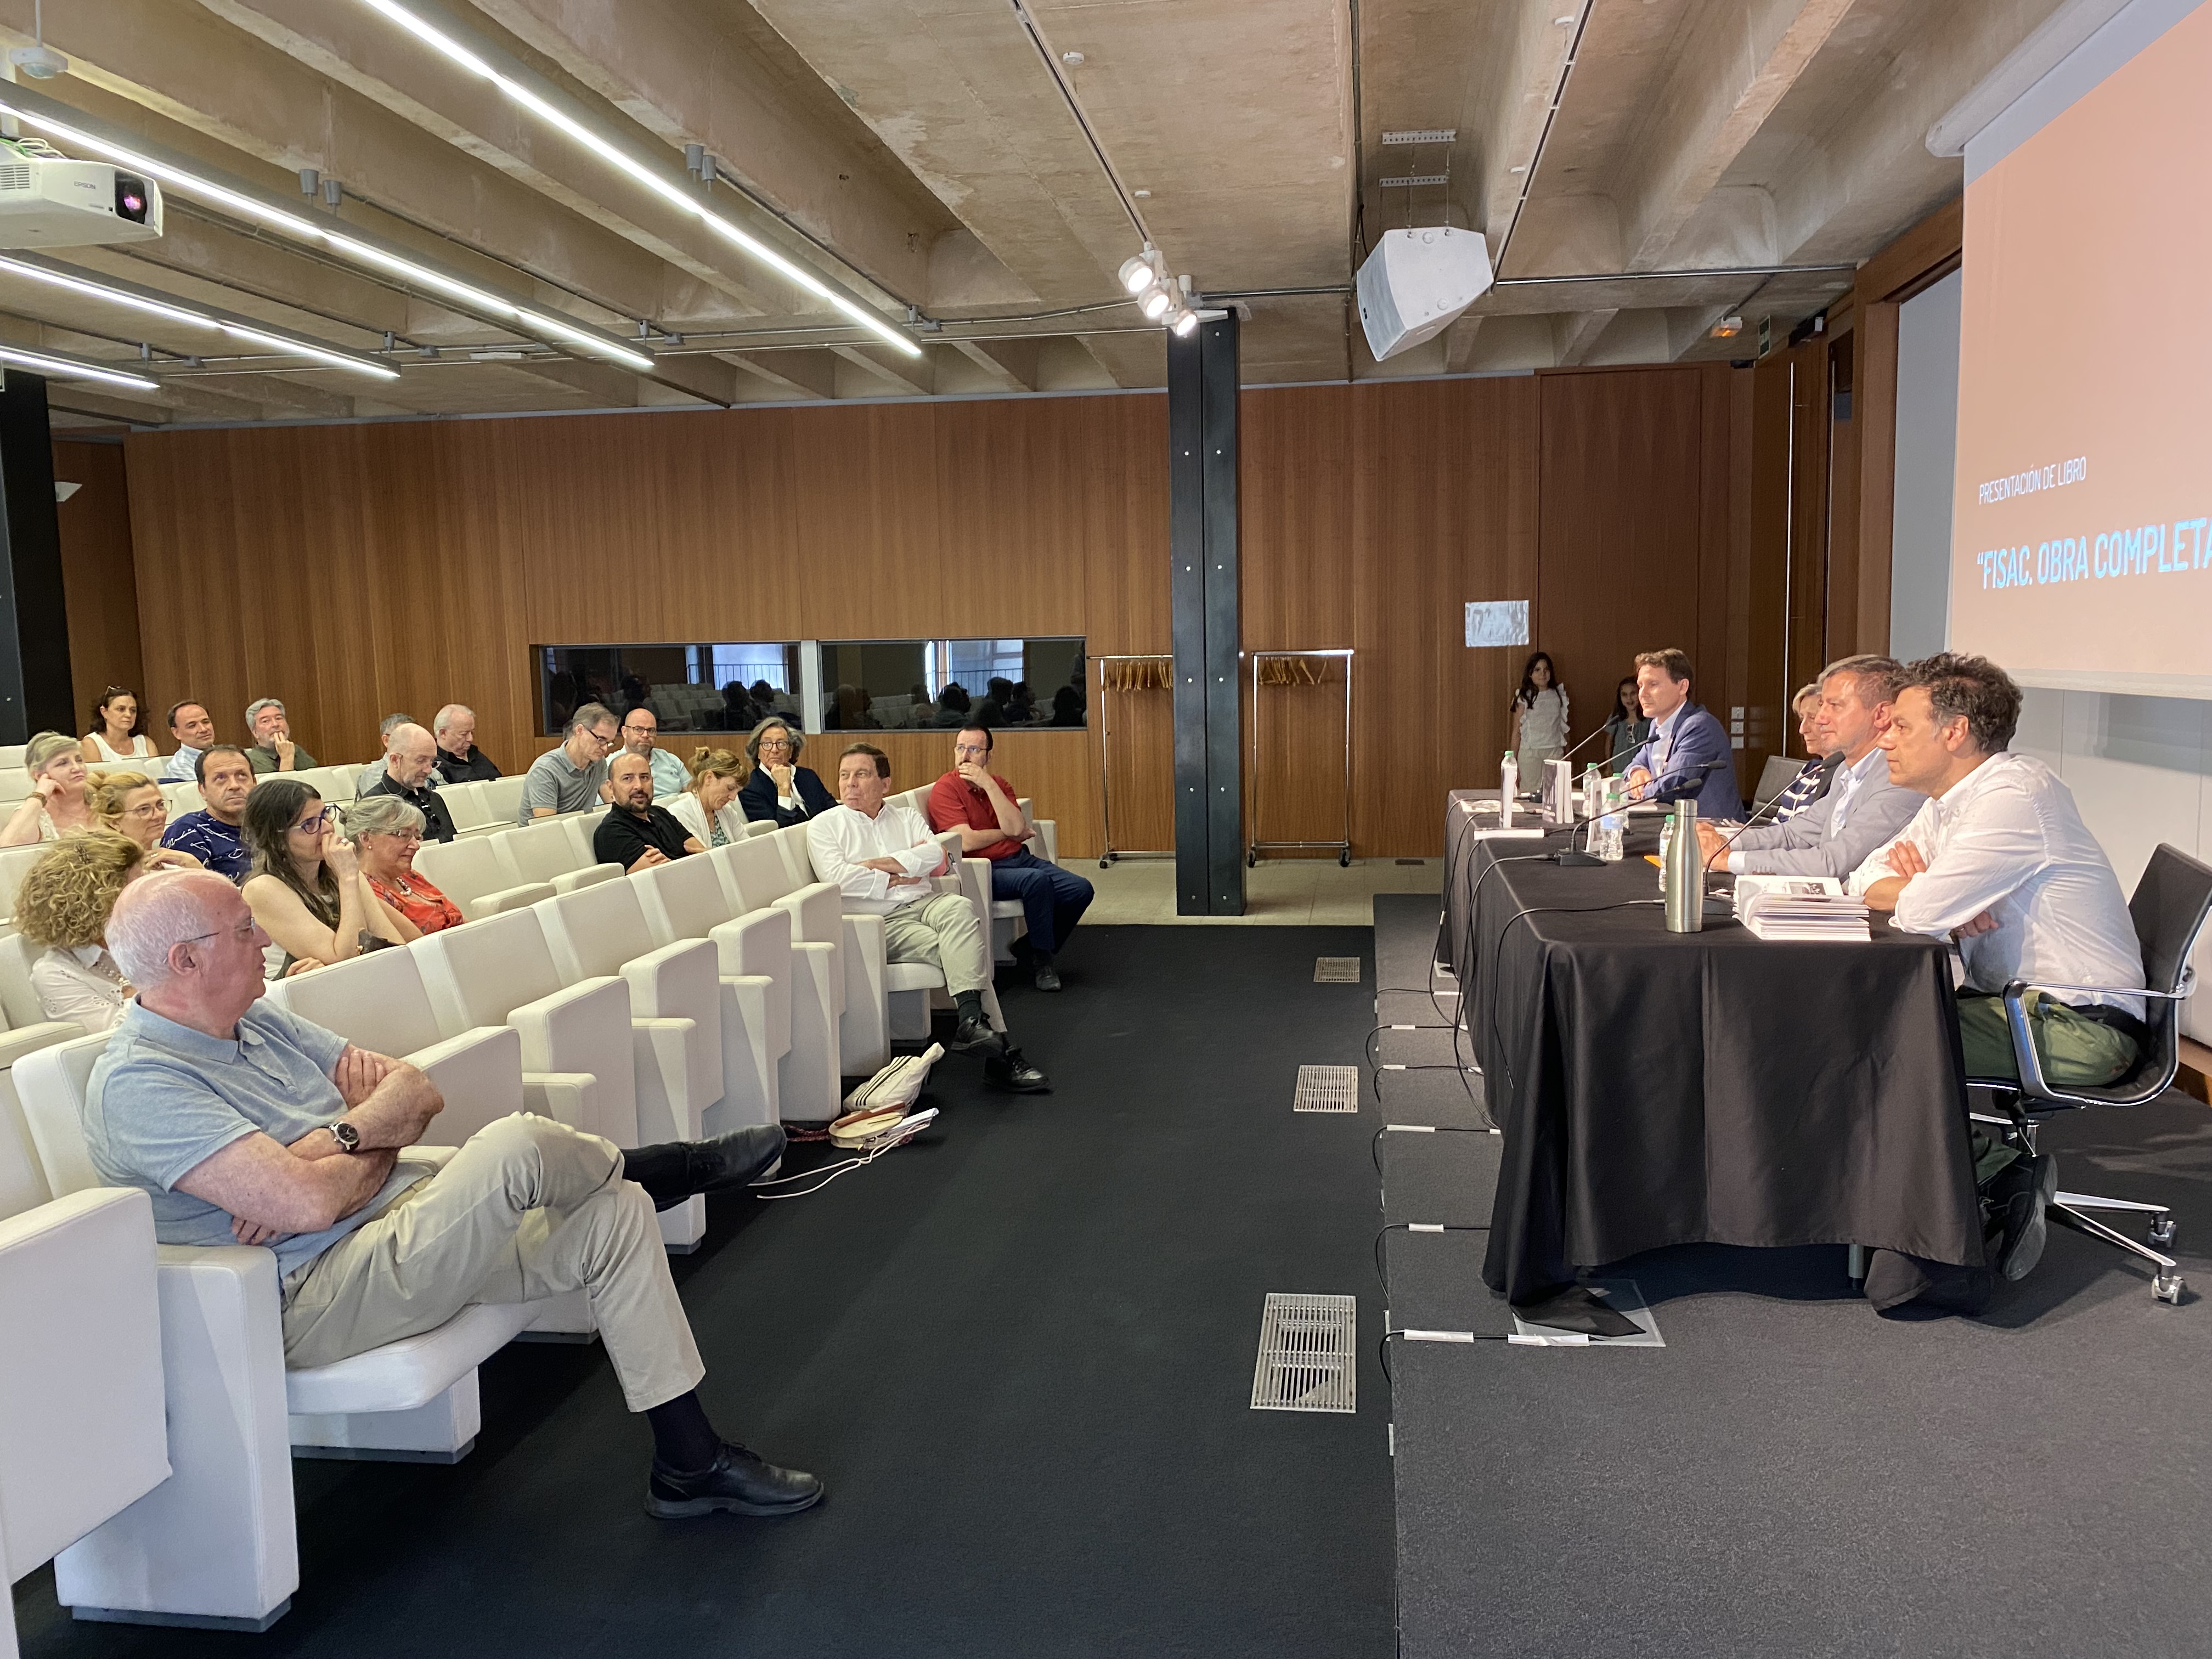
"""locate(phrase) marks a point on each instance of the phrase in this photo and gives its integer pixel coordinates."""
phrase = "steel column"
(1202, 386)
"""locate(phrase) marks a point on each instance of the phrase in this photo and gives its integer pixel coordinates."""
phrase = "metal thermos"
(1683, 876)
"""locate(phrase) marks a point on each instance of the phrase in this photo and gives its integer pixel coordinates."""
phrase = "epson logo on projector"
(1416, 283)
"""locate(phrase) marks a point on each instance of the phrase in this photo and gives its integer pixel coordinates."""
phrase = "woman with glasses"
(781, 790)
(61, 906)
(130, 804)
(386, 833)
(707, 804)
(306, 890)
(56, 805)
(115, 735)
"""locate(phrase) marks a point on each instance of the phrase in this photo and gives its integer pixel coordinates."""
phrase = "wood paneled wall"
(355, 570)
(99, 579)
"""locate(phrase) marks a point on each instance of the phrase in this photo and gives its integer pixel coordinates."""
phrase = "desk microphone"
(1680, 776)
(1829, 762)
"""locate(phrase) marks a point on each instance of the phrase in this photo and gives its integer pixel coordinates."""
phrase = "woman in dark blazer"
(780, 791)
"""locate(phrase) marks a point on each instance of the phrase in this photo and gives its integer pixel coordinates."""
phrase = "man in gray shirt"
(248, 1125)
(572, 777)
(1862, 809)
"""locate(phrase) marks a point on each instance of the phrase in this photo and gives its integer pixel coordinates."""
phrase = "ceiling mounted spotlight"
(1155, 303)
(1184, 324)
(1137, 272)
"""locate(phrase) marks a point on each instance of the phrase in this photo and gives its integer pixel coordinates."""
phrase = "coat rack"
(1289, 668)
(1130, 674)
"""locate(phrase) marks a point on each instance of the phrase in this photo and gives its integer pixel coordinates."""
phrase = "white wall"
(2140, 768)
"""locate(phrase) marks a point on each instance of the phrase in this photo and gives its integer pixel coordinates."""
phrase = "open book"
(1799, 907)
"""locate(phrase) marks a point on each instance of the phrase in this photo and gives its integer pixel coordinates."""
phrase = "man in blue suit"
(1687, 757)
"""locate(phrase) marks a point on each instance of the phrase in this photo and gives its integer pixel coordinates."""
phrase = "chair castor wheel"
(1251, 860)
(1344, 861)
(2161, 1233)
(2167, 1287)
(1105, 864)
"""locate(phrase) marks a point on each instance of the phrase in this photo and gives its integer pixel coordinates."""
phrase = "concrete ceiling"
(986, 167)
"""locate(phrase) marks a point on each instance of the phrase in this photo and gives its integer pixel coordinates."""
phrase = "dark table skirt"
(1657, 1088)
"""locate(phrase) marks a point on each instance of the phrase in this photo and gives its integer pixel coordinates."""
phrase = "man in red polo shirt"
(981, 806)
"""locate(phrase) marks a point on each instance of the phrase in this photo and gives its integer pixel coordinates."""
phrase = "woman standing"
(115, 735)
(1626, 729)
(1538, 712)
(306, 890)
(386, 833)
(56, 802)
(130, 804)
(708, 807)
(779, 789)
(63, 908)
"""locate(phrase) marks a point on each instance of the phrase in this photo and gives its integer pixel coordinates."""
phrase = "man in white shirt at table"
(1999, 860)
(1862, 809)
(884, 860)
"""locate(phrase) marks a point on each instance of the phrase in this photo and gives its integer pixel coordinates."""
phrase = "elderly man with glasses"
(981, 806)
(572, 777)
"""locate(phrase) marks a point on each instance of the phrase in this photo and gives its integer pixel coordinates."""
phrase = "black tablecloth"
(1660, 1088)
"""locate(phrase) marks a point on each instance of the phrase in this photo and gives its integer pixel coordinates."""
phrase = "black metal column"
(1209, 727)
(35, 694)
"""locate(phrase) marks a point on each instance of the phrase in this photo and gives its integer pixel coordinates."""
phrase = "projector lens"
(131, 198)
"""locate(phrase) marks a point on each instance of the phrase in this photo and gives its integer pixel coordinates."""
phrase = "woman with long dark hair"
(1539, 715)
(306, 890)
(1626, 729)
(117, 733)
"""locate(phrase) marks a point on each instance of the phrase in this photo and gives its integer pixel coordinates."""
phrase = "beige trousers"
(529, 1209)
(941, 932)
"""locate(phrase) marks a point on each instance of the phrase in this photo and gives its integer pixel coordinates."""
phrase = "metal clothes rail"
(1255, 847)
(1105, 751)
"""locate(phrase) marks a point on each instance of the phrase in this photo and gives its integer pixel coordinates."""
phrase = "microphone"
(1584, 744)
(1829, 762)
(1683, 775)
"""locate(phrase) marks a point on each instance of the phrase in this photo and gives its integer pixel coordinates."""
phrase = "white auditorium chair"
(14, 784)
(756, 828)
(12, 754)
(26, 1030)
(643, 1090)
(756, 875)
(182, 798)
(502, 798)
(465, 805)
(16, 863)
(216, 1544)
(684, 900)
(381, 1002)
(83, 1434)
(540, 851)
(1008, 921)
(471, 872)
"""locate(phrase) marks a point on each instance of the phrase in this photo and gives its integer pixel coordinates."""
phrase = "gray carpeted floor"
(1793, 1474)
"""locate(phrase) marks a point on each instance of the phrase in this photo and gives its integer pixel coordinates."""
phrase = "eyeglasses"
(605, 739)
(775, 742)
(313, 826)
(977, 750)
(152, 809)
(245, 931)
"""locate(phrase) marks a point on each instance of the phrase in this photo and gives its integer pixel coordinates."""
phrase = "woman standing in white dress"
(57, 803)
(115, 735)
(1539, 713)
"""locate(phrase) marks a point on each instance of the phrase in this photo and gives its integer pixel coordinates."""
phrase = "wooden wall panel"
(99, 579)
(355, 570)
(1623, 542)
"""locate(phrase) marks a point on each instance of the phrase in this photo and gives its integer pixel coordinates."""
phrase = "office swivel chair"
(2169, 909)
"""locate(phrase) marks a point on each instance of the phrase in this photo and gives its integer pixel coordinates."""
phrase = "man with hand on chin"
(981, 807)
(1999, 861)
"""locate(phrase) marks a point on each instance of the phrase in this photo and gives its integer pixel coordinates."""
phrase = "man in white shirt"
(883, 859)
(1862, 809)
(1999, 860)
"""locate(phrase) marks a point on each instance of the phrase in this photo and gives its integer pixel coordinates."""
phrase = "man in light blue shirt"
(1862, 809)
(193, 728)
(250, 1125)
(640, 735)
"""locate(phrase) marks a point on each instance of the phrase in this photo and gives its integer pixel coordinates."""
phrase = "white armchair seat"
(413, 1371)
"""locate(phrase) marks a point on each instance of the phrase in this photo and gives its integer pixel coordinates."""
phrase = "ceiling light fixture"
(88, 133)
(446, 38)
(1155, 303)
(71, 369)
(138, 298)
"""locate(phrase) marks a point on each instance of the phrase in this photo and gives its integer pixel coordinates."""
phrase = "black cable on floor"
(1382, 1277)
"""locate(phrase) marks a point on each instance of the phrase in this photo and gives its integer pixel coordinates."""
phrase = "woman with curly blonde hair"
(63, 906)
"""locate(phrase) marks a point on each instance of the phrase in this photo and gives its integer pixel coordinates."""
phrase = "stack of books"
(1800, 907)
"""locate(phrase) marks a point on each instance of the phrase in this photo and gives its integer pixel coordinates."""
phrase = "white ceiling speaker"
(1416, 283)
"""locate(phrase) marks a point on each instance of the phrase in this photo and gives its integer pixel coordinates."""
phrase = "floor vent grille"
(1327, 1089)
(1309, 1359)
(1336, 971)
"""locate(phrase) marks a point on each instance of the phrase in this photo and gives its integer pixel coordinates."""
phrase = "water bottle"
(1682, 873)
(1593, 791)
(1607, 836)
(1509, 784)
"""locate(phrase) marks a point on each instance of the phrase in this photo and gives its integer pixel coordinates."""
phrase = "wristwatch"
(348, 1137)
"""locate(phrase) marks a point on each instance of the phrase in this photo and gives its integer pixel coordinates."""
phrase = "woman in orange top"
(386, 831)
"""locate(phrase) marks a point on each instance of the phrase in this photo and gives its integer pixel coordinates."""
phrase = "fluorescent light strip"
(643, 172)
(288, 343)
(307, 230)
(69, 368)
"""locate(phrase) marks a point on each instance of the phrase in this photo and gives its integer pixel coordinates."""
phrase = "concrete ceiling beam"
(1010, 365)
(792, 373)
(903, 376)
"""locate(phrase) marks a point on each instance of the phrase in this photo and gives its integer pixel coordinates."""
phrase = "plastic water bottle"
(1509, 784)
(1593, 791)
(1606, 837)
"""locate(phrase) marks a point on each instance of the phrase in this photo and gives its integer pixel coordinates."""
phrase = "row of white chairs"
(689, 1000)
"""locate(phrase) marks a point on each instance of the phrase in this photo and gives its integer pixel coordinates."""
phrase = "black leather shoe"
(974, 1032)
(2019, 1196)
(739, 1483)
(1048, 977)
(1014, 1074)
(677, 1169)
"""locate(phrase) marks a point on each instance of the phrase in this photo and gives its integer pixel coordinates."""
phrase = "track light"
(1155, 303)
(1137, 273)
(1183, 324)
(154, 305)
(90, 134)
(447, 40)
(71, 369)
